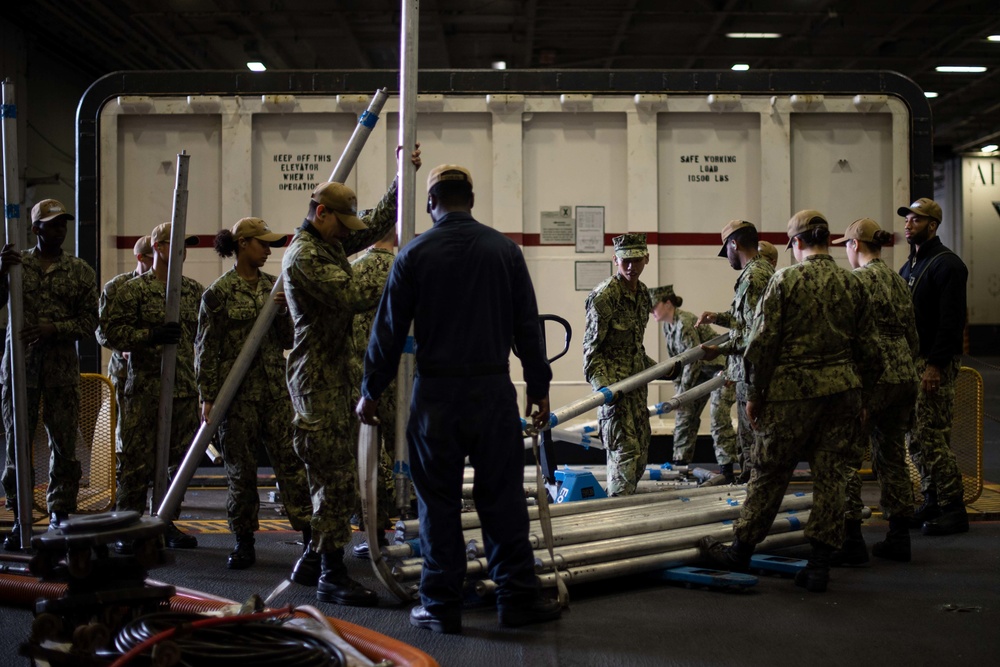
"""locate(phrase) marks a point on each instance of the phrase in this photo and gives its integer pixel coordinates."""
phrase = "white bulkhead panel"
(677, 170)
(981, 242)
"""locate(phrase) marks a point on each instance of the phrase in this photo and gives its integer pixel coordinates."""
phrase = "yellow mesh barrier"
(966, 435)
(95, 448)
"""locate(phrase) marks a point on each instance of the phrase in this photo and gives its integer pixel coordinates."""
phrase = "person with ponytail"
(262, 412)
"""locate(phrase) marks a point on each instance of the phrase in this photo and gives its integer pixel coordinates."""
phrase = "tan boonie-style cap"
(342, 201)
(803, 221)
(628, 246)
(448, 172)
(727, 231)
(142, 247)
(662, 293)
(48, 209)
(923, 206)
(161, 234)
(767, 249)
(255, 228)
(860, 230)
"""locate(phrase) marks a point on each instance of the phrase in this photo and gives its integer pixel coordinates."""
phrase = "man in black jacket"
(937, 278)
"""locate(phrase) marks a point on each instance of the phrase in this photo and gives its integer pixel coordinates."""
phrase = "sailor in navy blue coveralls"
(466, 288)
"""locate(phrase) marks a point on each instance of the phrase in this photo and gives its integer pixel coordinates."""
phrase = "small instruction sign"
(590, 229)
(303, 171)
(557, 227)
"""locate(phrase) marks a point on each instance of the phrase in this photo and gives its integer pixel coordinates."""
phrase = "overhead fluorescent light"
(753, 35)
(961, 69)
(929, 94)
(993, 38)
(256, 66)
(499, 64)
(990, 148)
(740, 67)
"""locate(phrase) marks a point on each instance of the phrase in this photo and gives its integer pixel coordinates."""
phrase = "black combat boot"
(952, 519)
(244, 555)
(305, 572)
(726, 470)
(816, 574)
(335, 586)
(735, 557)
(896, 545)
(927, 511)
(12, 541)
(853, 551)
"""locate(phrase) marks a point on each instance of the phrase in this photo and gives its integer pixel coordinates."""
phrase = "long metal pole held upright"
(172, 499)
(405, 206)
(168, 360)
(17, 236)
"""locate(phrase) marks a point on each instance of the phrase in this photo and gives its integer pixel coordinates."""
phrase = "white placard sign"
(590, 229)
(591, 274)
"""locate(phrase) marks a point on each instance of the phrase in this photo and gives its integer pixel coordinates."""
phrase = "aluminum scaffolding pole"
(17, 236)
(172, 499)
(406, 225)
(168, 360)
(606, 395)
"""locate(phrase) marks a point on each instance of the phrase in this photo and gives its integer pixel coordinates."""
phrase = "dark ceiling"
(911, 37)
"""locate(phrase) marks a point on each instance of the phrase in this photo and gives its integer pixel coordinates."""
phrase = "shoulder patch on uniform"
(211, 300)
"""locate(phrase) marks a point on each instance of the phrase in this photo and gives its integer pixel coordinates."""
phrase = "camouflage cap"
(161, 234)
(255, 228)
(628, 246)
(662, 293)
(340, 200)
(142, 247)
(923, 206)
(767, 249)
(860, 230)
(727, 231)
(803, 221)
(48, 209)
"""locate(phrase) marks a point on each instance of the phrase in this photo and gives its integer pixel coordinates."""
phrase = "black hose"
(237, 644)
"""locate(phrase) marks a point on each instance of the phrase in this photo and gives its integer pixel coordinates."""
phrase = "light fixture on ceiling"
(929, 94)
(256, 66)
(993, 38)
(990, 148)
(753, 35)
(961, 69)
(740, 67)
(499, 64)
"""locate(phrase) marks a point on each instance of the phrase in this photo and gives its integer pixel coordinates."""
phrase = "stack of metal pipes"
(602, 539)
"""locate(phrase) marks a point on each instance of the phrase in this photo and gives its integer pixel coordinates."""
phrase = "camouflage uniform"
(64, 294)
(372, 269)
(262, 411)
(749, 288)
(117, 366)
(807, 361)
(138, 306)
(681, 335)
(890, 407)
(323, 298)
(613, 351)
(938, 280)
